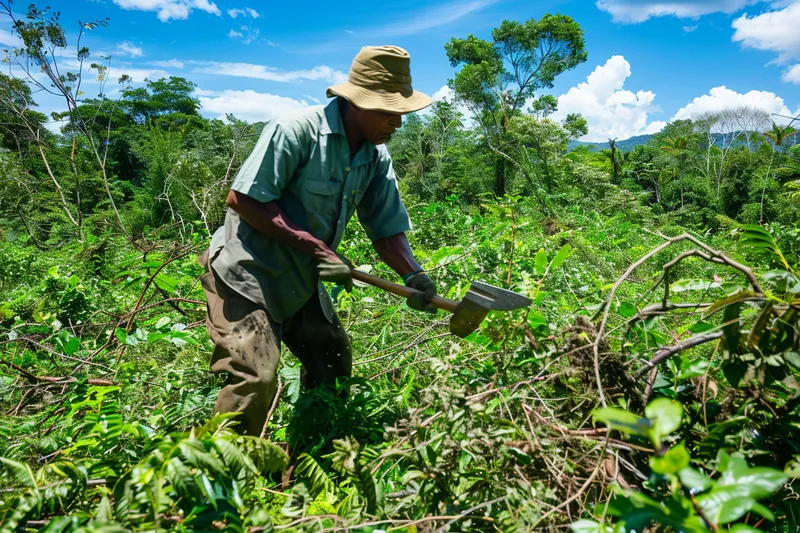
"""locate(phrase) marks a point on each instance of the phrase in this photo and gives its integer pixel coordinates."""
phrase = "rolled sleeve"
(381, 211)
(271, 164)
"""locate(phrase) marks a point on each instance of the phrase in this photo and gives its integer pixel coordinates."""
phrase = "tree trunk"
(614, 166)
(500, 176)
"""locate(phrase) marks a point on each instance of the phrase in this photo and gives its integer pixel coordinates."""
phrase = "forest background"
(652, 384)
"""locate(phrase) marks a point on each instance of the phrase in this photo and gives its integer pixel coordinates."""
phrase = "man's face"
(378, 126)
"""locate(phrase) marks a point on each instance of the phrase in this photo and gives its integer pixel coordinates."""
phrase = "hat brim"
(391, 102)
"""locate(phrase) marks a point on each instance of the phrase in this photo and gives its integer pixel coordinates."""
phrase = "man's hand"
(336, 269)
(420, 301)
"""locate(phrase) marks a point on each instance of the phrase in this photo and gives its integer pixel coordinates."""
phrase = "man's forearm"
(269, 219)
(396, 253)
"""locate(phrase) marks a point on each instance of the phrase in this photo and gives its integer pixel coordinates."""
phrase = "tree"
(678, 147)
(44, 43)
(498, 77)
(777, 137)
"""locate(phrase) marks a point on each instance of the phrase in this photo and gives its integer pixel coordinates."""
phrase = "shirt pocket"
(321, 197)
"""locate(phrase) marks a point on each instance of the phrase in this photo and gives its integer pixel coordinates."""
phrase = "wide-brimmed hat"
(380, 79)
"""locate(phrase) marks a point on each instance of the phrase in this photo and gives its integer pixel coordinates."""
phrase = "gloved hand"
(338, 272)
(421, 282)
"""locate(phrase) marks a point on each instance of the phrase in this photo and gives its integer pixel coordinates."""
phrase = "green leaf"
(560, 257)
(623, 420)
(166, 283)
(627, 309)
(672, 462)
(695, 480)
(666, 416)
(728, 300)
(540, 262)
(744, 528)
(733, 509)
(685, 285)
(589, 526)
(793, 358)
(23, 475)
(536, 319)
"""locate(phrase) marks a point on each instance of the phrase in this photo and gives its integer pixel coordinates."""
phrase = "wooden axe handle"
(402, 290)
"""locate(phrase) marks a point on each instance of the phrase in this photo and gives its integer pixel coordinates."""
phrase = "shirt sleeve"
(381, 211)
(271, 164)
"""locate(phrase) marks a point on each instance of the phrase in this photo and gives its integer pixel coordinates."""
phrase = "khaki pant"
(247, 349)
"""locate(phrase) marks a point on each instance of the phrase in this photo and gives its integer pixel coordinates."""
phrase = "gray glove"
(420, 301)
(338, 273)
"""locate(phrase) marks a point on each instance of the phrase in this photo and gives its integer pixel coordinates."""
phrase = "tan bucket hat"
(380, 79)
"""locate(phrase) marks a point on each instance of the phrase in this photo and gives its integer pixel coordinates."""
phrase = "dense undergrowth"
(652, 385)
(106, 396)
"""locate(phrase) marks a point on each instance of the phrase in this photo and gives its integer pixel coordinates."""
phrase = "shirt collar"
(331, 119)
(332, 123)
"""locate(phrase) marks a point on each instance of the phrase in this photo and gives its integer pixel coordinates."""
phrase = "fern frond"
(21, 472)
(309, 470)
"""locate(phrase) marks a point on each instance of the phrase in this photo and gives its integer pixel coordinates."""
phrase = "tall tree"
(498, 77)
(777, 137)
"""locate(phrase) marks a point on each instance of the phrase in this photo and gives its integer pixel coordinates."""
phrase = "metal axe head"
(479, 300)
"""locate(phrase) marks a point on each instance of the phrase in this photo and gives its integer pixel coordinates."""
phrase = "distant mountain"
(626, 145)
(630, 144)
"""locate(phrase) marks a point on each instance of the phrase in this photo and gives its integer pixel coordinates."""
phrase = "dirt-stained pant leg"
(246, 348)
(323, 347)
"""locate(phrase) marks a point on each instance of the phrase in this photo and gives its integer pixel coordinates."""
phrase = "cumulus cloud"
(775, 31)
(129, 49)
(248, 105)
(721, 98)
(633, 11)
(263, 72)
(792, 75)
(244, 12)
(169, 63)
(170, 9)
(233, 34)
(610, 111)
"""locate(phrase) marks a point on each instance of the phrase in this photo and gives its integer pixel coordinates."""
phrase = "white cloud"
(690, 29)
(249, 105)
(170, 9)
(444, 93)
(313, 99)
(137, 74)
(721, 98)
(205, 92)
(792, 75)
(633, 11)
(775, 31)
(247, 35)
(9, 39)
(262, 72)
(610, 111)
(169, 63)
(432, 17)
(247, 11)
(129, 49)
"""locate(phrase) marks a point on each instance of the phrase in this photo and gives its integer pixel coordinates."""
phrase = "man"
(288, 208)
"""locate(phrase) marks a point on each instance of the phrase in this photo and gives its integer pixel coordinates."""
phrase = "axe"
(469, 312)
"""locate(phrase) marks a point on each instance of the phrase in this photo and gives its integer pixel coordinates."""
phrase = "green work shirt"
(302, 161)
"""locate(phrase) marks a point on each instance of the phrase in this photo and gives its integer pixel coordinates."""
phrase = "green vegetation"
(652, 386)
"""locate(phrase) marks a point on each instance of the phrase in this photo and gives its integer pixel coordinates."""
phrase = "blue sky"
(649, 62)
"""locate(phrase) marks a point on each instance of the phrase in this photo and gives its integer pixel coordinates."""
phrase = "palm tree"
(776, 136)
